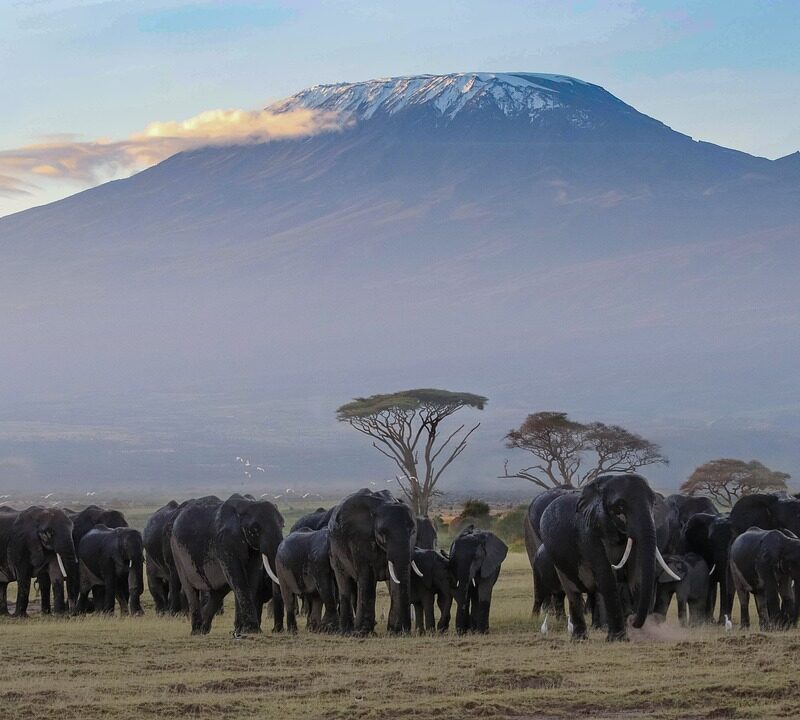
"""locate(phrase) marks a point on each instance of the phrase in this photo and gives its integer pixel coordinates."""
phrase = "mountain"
(527, 237)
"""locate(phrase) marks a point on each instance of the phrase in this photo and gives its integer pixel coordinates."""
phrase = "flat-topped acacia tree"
(405, 427)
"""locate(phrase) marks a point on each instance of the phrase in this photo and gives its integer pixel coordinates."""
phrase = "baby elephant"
(303, 566)
(475, 559)
(111, 563)
(691, 590)
(433, 584)
(765, 562)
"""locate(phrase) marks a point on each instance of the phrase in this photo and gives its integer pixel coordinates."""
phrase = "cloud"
(63, 157)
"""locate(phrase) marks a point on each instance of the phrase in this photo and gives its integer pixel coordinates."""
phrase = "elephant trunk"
(643, 532)
(399, 569)
(67, 561)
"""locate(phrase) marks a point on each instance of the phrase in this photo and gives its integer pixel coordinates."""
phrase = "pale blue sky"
(726, 71)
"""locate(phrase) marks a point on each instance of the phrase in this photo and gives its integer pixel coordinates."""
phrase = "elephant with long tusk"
(372, 537)
(222, 546)
(602, 535)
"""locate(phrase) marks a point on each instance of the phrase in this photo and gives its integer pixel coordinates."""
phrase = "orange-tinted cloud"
(64, 158)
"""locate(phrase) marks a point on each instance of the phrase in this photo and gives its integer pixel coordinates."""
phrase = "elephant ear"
(590, 502)
(232, 513)
(496, 551)
(679, 567)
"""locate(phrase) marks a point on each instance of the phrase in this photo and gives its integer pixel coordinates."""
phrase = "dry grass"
(151, 668)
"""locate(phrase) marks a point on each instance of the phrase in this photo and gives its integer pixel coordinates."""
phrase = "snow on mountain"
(514, 94)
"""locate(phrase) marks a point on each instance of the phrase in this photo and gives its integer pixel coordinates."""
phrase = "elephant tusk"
(458, 582)
(61, 566)
(130, 563)
(666, 568)
(271, 574)
(625, 555)
(416, 569)
(392, 573)
(713, 567)
(474, 584)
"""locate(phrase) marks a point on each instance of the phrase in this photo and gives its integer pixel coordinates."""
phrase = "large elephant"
(426, 534)
(162, 573)
(433, 584)
(314, 520)
(111, 564)
(372, 537)
(691, 591)
(766, 563)
(34, 542)
(679, 509)
(221, 546)
(531, 530)
(609, 522)
(475, 560)
(766, 511)
(710, 536)
(304, 570)
(82, 522)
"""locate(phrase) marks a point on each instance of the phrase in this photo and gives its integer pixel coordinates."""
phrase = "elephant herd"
(196, 552)
(614, 548)
(624, 550)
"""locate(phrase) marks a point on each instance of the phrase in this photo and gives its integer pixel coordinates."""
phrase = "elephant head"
(259, 523)
(619, 508)
(475, 555)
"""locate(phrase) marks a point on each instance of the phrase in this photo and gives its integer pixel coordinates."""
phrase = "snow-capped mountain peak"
(513, 94)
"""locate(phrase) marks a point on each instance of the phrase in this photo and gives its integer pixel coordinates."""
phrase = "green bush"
(508, 526)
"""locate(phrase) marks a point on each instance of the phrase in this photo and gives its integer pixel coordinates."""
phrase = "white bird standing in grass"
(543, 629)
(728, 624)
(570, 626)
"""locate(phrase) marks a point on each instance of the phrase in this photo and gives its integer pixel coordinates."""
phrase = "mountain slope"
(528, 237)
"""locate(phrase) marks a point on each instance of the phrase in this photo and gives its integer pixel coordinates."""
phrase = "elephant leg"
(59, 599)
(43, 581)
(474, 608)
(430, 617)
(419, 609)
(23, 592)
(213, 601)
(315, 613)
(109, 588)
(327, 593)
(195, 611)
(290, 605)
(3, 598)
(365, 614)
(577, 614)
(277, 609)
(484, 603)
(681, 611)
(157, 588)
(744, 608)
(178, 602)
(598, 614)
(445, 603)
(762, 608)
(237, 577)
(608, 590)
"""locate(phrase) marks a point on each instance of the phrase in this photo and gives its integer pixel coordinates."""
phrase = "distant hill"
(527, 237)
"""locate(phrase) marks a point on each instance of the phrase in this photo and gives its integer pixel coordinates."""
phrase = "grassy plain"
(150, 667)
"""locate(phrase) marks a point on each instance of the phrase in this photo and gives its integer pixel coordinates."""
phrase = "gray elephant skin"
(433, 584)
(304, 570)
(691, 591)
(766, 563)
(710, 536)
(372, 537)
(475, 560)
(112, 564)
(610, 521)
(222, 546)
(163, 580)
(33, 542)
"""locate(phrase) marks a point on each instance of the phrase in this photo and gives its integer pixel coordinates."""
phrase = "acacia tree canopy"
(726, 480)
(405, 428)
(570, 453)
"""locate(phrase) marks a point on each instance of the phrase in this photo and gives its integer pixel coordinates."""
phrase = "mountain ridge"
(617, 270)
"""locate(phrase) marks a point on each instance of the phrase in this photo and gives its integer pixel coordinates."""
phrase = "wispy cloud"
(63, 157)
